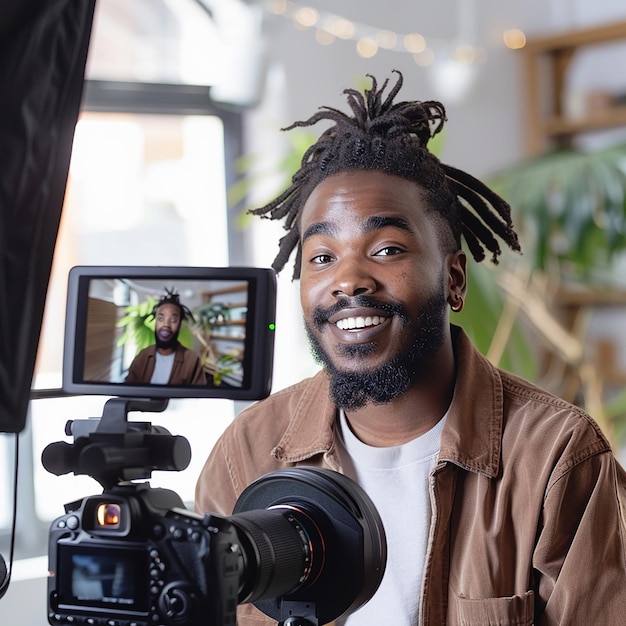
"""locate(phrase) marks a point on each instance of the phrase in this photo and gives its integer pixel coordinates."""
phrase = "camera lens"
(282, 549)
(336, 532)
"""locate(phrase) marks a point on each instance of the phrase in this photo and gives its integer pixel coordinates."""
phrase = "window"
(143, 189)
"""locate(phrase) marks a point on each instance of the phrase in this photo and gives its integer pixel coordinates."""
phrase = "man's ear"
(457, 276)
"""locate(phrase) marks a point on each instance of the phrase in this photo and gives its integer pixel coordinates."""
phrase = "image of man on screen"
(167, 361)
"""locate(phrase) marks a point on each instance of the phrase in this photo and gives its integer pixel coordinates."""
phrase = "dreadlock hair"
(171, 297)
(392, 138)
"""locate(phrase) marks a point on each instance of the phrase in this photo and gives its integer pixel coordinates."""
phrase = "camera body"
(134, 556)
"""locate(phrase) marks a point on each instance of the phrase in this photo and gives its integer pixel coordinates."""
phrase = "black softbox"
(43, 50)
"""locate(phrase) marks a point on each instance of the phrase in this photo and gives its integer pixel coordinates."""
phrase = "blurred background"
(179, 133)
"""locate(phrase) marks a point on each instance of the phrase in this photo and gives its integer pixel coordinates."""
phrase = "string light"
(369, 40)
(514, 39)
(306, 16)
(366, 47)
(414, 43)
(324, 38)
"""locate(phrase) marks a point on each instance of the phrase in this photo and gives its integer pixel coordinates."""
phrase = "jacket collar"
(180, 352)
(311, 429)
(470, 438)
(472, 434)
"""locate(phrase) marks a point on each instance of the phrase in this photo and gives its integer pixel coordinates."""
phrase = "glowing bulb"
(414, 43)
(307, 17)
(323, 37)
(341, 27)
(278, 7)
(366, 47)
(514, 38)
(464, 54)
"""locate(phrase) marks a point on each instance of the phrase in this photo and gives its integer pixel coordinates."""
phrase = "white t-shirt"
(162, 368)
(396, 479)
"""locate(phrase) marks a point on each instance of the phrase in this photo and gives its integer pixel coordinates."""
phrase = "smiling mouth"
(359, 322)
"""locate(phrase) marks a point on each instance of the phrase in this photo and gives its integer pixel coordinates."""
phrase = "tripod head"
(112, 449)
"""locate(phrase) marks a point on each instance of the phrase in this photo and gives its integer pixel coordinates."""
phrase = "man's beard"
(352, 390)
(170, 344)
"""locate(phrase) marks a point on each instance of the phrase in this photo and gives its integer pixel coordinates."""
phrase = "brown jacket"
(187, 368)
(527, 524)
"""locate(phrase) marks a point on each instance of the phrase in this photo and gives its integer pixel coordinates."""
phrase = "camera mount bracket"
(112, 450)
(302, 613)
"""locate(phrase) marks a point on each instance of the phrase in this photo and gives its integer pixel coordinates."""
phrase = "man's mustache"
(322, 315)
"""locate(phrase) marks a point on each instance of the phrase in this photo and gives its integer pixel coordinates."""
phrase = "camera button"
(178, 533)
(158, 531)
(176, 601)
(72, 522)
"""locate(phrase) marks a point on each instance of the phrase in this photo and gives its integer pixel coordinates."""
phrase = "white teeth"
(350, 323)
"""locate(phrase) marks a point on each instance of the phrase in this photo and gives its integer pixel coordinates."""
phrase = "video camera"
(305, 545)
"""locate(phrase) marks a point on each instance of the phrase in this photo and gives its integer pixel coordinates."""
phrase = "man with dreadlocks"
(500, 502)
(167, 361)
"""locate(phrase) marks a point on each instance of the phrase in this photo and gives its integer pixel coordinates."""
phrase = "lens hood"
(352, 539)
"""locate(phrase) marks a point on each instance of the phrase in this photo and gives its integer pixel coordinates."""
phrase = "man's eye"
(388, 251)
(321, 259)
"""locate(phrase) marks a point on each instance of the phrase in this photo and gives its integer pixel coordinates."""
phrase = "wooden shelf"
(241, 322)
(238, 288)
(576, 38)
(568, 127)
(590, 296)
(546, 63)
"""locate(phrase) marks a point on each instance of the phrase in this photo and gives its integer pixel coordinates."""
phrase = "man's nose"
(352, 278)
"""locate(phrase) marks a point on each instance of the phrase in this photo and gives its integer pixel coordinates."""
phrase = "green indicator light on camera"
(272, 326)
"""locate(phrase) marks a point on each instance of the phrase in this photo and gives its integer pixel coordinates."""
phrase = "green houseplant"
(137, 326)
(208, 317)
(570, 208)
